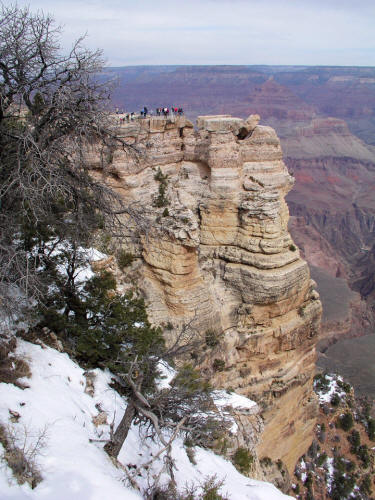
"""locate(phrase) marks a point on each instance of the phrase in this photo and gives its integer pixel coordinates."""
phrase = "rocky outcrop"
(215, 252)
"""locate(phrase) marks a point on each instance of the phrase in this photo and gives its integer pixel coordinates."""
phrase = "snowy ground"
(73, 467)
(332, 387)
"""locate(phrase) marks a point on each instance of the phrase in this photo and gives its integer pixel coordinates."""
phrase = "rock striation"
(214, 251)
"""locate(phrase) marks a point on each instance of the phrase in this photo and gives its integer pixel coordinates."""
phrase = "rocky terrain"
(324, 117)
(340, 461)
(214, 252)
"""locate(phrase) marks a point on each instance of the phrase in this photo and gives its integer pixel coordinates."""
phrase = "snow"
(86, 255)
(302, 470)
(167, 374)
(56, 402)
(329, 466)
(223, 399)
(236, 485)
(325, 397)
(76, 469)
(83, 273)
(91, 254)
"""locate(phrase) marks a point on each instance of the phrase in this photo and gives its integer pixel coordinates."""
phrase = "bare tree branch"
(53, 114)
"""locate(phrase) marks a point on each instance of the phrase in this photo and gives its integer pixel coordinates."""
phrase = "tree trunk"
(113, 447)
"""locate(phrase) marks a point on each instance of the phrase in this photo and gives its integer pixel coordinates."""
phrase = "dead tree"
(183, 406)
(53, 109)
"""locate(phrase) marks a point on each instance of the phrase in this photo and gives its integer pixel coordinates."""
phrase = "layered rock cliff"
(335, 211)
(214, 251)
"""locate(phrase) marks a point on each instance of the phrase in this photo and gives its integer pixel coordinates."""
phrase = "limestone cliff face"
(219, 255)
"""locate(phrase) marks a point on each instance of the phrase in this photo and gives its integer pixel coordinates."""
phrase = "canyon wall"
(214, 251)
(334, 215)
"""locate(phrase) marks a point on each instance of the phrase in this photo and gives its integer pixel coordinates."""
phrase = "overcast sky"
(136, 32)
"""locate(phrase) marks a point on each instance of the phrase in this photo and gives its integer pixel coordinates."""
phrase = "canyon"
(324, 117)
(209, 233)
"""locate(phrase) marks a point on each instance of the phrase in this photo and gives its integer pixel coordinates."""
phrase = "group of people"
(128, 117)
(172, 111)
(167, 111)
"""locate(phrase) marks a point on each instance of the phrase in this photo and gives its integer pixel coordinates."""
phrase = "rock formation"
(333, 160)
(215, 251)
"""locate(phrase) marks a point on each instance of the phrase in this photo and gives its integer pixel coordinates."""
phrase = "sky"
(293, 32)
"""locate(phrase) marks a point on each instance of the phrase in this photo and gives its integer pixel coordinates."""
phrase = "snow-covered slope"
(55, 404)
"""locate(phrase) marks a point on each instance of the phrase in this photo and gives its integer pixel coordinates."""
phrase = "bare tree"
(183, 407)
(53, 108)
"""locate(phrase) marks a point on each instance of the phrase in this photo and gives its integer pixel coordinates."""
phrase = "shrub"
(345, 421)
(292, 248)
(161, 200)
(313, 449)
(190, 380)
(309, 481)
(343, 482)
(124, 259)
(367, 408)
(365, 485)
(342, 486)
(321, 382)
(363, 455)
(104, 328)
(266, 461)
(12, 367)
(210, 489)
(344, 386)
(212, 338)
(349, 466)
(22, 449)
(104, 243)
(371, 428)
(335, 400)
(218, 365)
(354, 439)
(165, 492)
(243, 460)
(321, 459)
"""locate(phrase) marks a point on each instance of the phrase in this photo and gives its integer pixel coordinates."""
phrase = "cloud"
(221, 31)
